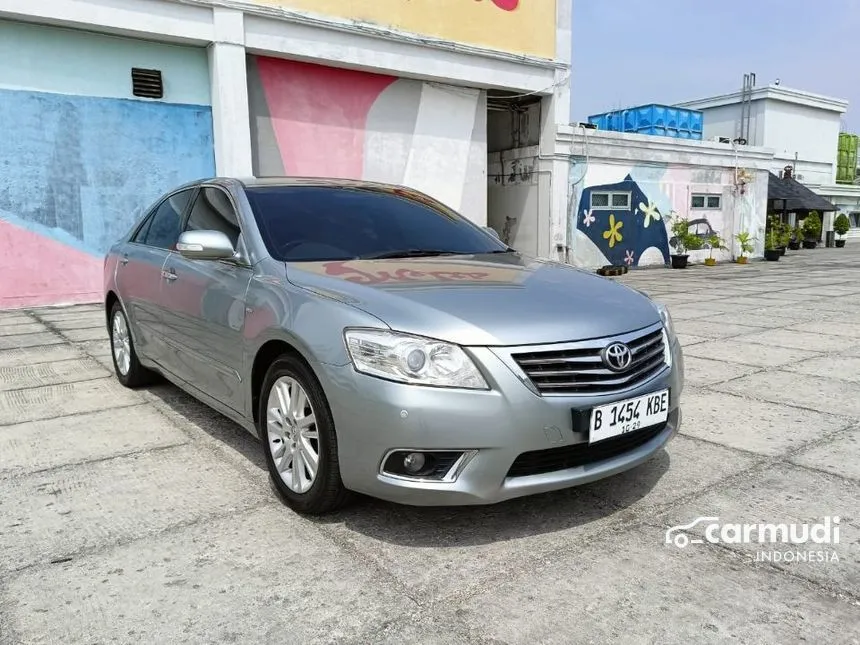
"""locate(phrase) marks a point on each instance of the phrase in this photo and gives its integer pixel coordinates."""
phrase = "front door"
(203, 306)
(138, 273)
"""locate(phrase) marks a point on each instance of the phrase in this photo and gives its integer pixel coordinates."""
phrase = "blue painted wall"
(80, 169)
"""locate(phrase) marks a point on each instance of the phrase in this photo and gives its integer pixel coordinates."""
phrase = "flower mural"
(650, 212)
(587, 218)
(614, 232)
(626, 235)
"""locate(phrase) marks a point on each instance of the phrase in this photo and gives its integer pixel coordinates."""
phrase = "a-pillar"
(229, 87)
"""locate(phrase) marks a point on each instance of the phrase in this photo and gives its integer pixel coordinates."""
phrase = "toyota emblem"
(617, 357)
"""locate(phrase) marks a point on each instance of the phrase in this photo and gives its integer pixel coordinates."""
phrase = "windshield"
(322, 223)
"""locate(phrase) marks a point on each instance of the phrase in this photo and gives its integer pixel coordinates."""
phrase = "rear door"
(138, 273)
(203, 303)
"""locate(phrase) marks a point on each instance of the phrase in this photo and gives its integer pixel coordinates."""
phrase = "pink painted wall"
(37, 270)
(319, 115)
(319, 121)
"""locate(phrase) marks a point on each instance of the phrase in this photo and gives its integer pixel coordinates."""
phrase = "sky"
(633, 52)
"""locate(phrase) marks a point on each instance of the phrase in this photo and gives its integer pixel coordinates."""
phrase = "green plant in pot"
(840, 227)
(772, 239)
(716, 243)
(785, 233)
(745, 242)
(683, 241)
(811, 230)
(796, 235)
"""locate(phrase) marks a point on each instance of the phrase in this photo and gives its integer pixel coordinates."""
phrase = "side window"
(167, 221)
(140, 236)
(212, 211)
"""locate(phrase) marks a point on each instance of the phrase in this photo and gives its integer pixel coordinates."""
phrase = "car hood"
(497, 299)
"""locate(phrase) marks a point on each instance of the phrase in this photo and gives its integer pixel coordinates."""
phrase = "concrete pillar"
(229, 86)
(554, 163)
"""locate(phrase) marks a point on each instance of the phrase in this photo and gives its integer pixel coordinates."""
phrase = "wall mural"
(517, 26)
(637, 233)
(67, 195)
(624, 235)
(317, 121)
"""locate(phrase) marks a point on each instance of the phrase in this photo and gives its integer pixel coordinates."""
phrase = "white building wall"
(725, 121)
(660, 175)
(808, 132)
(796, 125)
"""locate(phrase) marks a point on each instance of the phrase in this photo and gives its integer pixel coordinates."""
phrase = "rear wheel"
(128, 369)
(299, 440)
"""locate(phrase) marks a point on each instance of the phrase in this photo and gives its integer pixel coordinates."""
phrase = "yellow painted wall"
(529, 28)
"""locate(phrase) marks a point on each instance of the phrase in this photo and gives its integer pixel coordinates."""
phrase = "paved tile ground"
(145, 517)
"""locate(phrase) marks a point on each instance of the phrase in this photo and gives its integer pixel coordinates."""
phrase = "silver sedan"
(377, 342)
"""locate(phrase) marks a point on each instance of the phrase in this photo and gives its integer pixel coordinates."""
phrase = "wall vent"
(147, 83)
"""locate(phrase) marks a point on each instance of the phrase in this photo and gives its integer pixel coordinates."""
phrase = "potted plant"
(715, 242)
(771, 239)
(811, 230)
(745, 241)
(784, 237)
(683, 240)
(796, 235)
(841, 226)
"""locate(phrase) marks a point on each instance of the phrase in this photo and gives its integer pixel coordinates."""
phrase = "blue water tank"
(654, 119)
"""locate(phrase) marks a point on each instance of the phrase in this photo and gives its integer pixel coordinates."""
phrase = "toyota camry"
(376, 341)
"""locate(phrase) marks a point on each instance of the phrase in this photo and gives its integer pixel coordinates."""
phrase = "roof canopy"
(795, 195)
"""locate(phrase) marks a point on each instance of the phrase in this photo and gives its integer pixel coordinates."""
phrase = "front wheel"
(128, 369)
(299, 440)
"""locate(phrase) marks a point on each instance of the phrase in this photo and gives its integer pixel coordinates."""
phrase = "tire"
(136, 374)
(289, 439)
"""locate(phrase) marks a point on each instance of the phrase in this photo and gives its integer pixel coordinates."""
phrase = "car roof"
(250, 182)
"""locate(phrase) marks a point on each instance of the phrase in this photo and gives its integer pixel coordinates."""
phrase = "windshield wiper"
(507, 250)
(408, 253)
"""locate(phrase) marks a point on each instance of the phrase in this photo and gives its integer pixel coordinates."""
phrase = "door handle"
(124, 260)
(169, 275)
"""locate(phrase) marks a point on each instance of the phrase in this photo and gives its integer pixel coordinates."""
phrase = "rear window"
(321, 223)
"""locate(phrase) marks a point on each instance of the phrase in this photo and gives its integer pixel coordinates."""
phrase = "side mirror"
(492, 231)
(205, 245)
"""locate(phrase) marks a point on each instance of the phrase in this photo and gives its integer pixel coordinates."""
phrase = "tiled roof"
(797, 196)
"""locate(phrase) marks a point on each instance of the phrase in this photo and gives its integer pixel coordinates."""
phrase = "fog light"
(413, 462)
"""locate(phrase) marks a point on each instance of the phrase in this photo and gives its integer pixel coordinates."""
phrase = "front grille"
(580, 454)
(580, 370)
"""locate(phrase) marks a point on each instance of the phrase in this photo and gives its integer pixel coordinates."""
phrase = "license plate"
(626, 416)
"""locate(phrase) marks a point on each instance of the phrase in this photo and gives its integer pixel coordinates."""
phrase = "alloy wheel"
(292, 434)
(121, 343)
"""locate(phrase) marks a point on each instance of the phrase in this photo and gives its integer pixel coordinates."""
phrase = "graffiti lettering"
(353, 274)
(505, 5)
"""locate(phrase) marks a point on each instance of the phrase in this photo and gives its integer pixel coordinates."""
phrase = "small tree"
(812, 226)
(773, 235)
(745, 241)
(841, 224)
(784, 234)
(716, 242)
(684, 241)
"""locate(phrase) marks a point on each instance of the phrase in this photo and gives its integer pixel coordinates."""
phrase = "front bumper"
(373, 417)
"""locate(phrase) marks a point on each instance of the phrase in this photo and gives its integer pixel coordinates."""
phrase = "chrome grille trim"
(576, 368)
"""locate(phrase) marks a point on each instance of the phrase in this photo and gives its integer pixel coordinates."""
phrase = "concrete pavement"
(146, 517)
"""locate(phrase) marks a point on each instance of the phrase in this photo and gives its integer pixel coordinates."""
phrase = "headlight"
(667, 319)
(412, 359)
(668, 332)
